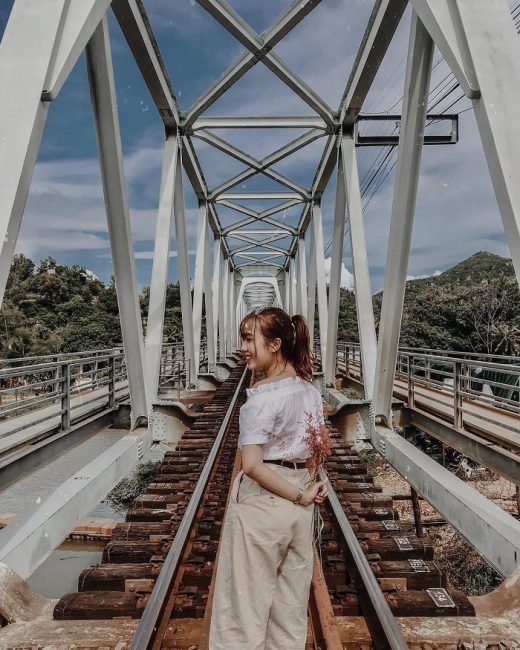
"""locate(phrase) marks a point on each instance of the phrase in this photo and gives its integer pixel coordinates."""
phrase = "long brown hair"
(293, 332)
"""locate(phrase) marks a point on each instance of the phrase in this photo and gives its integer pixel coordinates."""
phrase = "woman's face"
(255, 348)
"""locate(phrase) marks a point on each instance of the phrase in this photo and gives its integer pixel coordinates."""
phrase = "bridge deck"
(29, 427)
(492, 422)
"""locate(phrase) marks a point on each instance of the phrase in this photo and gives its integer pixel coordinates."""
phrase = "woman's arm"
(254, 467)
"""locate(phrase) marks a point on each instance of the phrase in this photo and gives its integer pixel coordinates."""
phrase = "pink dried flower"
(317, 439)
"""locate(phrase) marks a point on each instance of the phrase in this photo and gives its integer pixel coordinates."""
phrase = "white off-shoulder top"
(277, 415)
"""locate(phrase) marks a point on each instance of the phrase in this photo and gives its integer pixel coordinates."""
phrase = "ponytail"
(301, 357)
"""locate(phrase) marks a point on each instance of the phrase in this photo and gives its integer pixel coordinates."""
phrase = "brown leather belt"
(288, 463)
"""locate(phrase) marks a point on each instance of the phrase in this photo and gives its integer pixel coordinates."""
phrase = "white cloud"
(422, 277)
(347, 278)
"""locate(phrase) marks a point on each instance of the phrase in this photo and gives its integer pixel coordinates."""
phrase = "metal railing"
(470, 379)
(99, 380)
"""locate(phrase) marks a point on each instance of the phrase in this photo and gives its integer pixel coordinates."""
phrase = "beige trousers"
(264, 569)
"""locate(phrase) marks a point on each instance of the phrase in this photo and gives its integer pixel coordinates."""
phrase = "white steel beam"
(294, 14)
(417, 82)
(250, 122)
(382, 24)
(198, 282)
(183, 272)
(231, 312)
(292, 17)
(216, 287)
(211, 331)
(27, 52)
(320, 277)
(231, 20)
(225, 308)
(302, 280)
(364, 306)
(294, 282)
(287, 290)
(80, 20)
(438, 18)
(311, 291)
(104, 103)
(256, 165)
(260, 196)
(161, 259)
(497, 71)
(336, 265)
(297, 284)
(269, 161)
(138, 33)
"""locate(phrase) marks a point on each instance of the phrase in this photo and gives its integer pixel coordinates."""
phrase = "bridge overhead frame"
(43, 41)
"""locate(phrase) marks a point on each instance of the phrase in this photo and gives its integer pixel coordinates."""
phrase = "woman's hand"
(315, 493)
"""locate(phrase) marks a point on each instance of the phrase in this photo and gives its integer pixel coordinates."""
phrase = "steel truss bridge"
(259, 258)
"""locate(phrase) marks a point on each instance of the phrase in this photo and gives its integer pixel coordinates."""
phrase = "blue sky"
(456, 212)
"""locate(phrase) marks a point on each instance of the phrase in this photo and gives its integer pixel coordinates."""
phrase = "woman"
(265, 562)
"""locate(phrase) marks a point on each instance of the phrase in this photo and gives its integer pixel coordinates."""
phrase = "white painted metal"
(231, 310)
(311, 290)
(215, 286)
(282, 122)
(492, 531)
(221, 289)
(24, 70)
(26, 545)
(417, 83)
(161, 258)
(183, 271)
(211, 329)
(80, 19)
(102, 89)
(198, 281)
(287, 290)
(298, 285)
(438, 18)
(364, 306)
(294, 283)
(225, 306)
(302, 280)
(336, 265)
(321, 285)
(483, 25)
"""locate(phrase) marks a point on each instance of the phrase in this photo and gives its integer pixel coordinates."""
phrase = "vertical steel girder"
(465, 32)
(496, 110)
(311, 289)
(336, 265)
(215, 286)
(231, 310)
(222, 315)
(198, 281)
(417, 82)
(211, 330)
(183, 271)
(302, 280)
(161, 258)
(221, 305)
(294, 281)
(364, 306)
(319, 260)
(101, 80)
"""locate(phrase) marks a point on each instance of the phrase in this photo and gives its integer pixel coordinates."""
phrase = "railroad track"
(159, 565)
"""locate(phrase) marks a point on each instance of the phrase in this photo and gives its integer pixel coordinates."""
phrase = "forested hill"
(54, 308)
(473, 306)
(49, 308)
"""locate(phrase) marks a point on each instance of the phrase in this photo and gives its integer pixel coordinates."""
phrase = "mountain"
(472, 306)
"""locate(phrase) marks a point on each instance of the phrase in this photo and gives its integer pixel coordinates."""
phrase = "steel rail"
(144, 635)
(379, 618)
